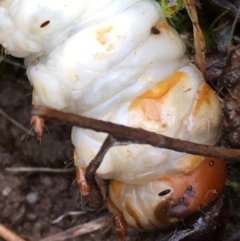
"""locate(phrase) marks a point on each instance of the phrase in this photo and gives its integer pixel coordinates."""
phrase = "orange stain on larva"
(76, 155)
(116, 187)
(205, 95)
(164, 25)
(149, 101)
(189, 162)
(112, 206)
(102, 33)
(133, 213)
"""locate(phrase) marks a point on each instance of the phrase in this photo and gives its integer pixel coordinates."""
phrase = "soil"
(30, 201)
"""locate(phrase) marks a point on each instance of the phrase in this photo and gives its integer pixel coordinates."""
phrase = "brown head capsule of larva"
(192, 191)
(169, 199)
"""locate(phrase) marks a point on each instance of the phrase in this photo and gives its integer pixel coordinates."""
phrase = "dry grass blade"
(39, 169)
(9, 235)
(199, 41)
(79, 230)
(4, 114)
(71, 213)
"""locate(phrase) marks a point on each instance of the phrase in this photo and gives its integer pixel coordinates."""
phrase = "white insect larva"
(119, 61)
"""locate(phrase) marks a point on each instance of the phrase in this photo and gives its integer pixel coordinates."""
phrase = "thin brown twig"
(95, 199)
(79, 230)
(9, 235)
(127, 135)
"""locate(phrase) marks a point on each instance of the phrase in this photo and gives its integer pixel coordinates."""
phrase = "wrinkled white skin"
(143, 200)
(95, 58)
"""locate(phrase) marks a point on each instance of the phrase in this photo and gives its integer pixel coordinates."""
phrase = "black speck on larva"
(155, 30)
(189, 188)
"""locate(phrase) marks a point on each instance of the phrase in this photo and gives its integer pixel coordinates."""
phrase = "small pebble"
(32, 197)
(6, 191)
(31, 216)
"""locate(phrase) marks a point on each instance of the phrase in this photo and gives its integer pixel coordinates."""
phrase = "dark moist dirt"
(29, 202)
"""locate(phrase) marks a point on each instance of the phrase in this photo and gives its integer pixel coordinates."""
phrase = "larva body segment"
(176, 107)
(120, 61)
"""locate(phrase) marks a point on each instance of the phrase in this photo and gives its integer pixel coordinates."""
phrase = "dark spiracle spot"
(44, 24)
(155, 30)
(211, 162)
(165, 192)
(181, 199)
(189, 188)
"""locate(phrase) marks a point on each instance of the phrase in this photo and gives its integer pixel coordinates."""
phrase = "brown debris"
(229, 86)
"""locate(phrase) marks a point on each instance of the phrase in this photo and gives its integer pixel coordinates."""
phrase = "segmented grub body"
(120, 61)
